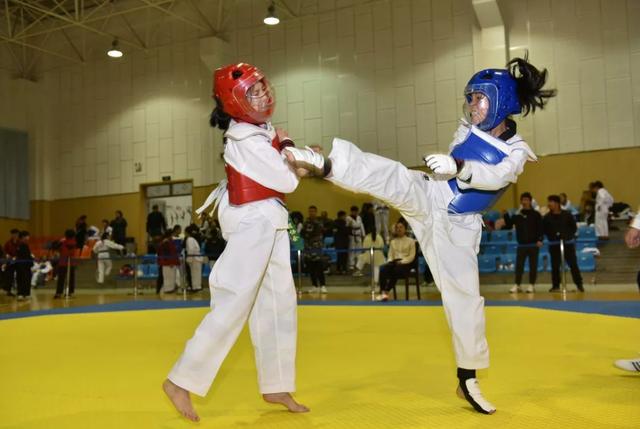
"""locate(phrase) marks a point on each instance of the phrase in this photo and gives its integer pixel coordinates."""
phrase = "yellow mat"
(358, 367)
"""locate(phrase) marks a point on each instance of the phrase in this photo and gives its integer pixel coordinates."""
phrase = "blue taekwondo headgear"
(500, 87)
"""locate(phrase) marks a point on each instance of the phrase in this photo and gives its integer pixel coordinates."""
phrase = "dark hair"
(105, 221)
(598, 184)
(15, 231)
(154, 207)
(342, 213)
(529, 82)
(119, 212)
(374, 234)
(354, 208)
(69, 233)
(554, 198)
(526, 195)
(313, 207)
(176, 228)
(219, 118)
(104, 236)
(23, 234)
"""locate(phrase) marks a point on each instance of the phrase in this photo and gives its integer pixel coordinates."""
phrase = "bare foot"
(181, 400)
(287, 400)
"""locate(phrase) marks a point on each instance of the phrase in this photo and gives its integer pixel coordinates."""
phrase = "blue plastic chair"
(485, 237)
(491, 249)
(206, 270)
(487, 263)
(507, 263)
(587, 234)
(328, 242)
(500, 236)
(586, 262)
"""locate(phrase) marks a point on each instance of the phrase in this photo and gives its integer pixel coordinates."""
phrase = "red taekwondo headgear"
(230, 86)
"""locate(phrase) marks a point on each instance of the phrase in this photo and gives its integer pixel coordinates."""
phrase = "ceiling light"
(115, 51)
(271, 18)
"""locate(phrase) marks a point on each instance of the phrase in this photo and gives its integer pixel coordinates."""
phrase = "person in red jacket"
(67, 264)
(168, 259)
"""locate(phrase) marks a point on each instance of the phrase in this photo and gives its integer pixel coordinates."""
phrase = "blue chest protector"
(466, 201)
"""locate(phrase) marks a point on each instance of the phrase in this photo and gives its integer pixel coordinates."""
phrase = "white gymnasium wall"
(592, 51)
(24, 105)
(387, 74)
(150, 108)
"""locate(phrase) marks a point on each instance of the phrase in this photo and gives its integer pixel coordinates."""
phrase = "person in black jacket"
(24, 261)
(559, 225)
(156, 226)
(341, 233)
(529, 233)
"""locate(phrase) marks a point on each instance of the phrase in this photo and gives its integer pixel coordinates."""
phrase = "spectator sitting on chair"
(559, 225)
(375, 240)
(529, 233)
(39, 272)
(402, 252)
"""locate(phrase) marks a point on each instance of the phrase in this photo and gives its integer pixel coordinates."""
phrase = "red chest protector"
(244, 190)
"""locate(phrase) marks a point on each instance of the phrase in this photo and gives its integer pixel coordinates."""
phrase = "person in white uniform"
(632, 238)
(356, 228)
(252, 279)
(604, 201)
(102, 250)
(194, 258)
(443, 207)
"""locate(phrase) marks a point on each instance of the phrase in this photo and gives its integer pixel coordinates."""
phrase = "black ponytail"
(530, 81)
(219, 118)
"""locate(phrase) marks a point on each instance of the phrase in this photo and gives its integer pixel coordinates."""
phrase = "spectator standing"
(313, 256)
(81, 231)
(168, 259)
(559, 225)
(119, 225)
(67, 263)
(11, 251)
(156, 225)
(604, 201)
(354, 222)
(529, 234)
(24, 261)
(341, 238)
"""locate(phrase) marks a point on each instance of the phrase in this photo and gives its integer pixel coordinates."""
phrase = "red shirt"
(11, 248)
(168, 254)
(67, 250)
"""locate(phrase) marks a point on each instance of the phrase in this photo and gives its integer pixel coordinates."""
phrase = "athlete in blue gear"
(443, 207)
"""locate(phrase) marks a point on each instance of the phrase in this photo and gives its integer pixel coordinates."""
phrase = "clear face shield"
(476, 107)
(261, 96)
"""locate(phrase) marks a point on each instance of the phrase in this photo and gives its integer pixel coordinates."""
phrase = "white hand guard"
(446, 165)
(442, 164)
(310, 160)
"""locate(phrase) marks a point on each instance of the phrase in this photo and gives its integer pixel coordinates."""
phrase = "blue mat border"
(609, 308)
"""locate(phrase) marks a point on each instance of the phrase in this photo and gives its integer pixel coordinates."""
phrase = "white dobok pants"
(251, 280)
(104, 269)
(450, 243)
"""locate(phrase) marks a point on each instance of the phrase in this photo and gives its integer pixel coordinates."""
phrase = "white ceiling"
(72, 31)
